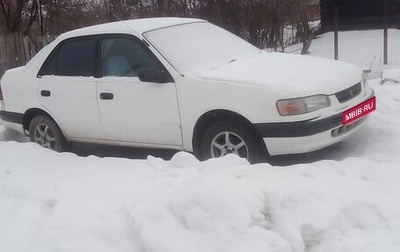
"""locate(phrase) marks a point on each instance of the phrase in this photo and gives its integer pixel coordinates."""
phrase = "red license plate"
(359, 111)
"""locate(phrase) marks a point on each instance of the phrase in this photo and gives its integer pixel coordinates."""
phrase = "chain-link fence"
(363, 32)
(362, 48)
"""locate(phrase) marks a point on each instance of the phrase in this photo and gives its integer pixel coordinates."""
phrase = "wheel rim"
(228, 143)
(44, 136)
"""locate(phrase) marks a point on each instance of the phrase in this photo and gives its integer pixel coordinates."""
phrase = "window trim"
(98, 73)
(139, 42)
(56, 51)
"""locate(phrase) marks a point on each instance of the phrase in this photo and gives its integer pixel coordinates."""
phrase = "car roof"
(133, 26)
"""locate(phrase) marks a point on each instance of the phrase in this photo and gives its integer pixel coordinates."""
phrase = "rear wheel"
(46, 133)
(226, 137)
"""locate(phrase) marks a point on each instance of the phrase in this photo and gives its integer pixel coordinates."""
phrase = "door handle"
(45, 93)
(106, 96)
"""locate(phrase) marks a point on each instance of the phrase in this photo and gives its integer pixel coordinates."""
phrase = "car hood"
(296, 74)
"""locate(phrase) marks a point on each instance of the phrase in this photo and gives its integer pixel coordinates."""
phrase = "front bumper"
(305, 144)
(307, 136)
(298, 129)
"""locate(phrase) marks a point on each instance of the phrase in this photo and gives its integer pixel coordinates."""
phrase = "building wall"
(358, 14)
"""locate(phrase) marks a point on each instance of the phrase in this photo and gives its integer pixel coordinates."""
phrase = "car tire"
(227, 137)
(45, 132)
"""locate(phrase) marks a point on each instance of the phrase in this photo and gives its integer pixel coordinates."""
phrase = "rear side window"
(73, 58)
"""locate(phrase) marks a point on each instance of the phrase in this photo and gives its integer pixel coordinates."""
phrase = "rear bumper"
(12, 120)
(11, 117)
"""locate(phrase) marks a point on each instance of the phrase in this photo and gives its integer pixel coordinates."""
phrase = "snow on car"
(183, 84)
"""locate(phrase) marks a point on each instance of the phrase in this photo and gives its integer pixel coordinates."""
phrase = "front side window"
(73, 58)
(124, 57)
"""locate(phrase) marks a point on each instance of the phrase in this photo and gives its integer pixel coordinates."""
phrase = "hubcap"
(44, 136)
(228, 143)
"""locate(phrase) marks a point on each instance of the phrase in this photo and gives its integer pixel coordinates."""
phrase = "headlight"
(304, 105)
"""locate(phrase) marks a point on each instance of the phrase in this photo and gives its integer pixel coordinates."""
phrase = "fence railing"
(16, 49)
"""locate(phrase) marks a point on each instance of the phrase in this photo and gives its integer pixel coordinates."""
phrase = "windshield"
(195, 46)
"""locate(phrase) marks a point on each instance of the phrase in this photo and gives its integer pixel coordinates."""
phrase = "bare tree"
(263, 23)
(18, 15)
(304, 32)
(63, 15)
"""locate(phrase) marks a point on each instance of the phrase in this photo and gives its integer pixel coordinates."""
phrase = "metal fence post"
(385, 30)
(336, 29)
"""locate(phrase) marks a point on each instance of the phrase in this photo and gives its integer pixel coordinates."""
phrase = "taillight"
(1, 94)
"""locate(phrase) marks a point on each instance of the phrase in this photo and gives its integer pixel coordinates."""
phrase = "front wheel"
(46, 133)
(226, 137)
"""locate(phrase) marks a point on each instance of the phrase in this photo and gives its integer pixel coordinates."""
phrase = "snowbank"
(52, 202)
(62, 202)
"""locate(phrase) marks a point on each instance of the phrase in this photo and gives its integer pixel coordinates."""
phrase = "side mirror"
(154, 74)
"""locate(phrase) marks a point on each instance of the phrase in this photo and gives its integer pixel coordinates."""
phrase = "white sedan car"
(183, 84)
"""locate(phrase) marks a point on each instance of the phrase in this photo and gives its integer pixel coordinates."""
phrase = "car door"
(132, 110)
(67, 88)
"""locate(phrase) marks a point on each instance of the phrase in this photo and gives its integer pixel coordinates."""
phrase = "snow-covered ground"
(346, 201)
